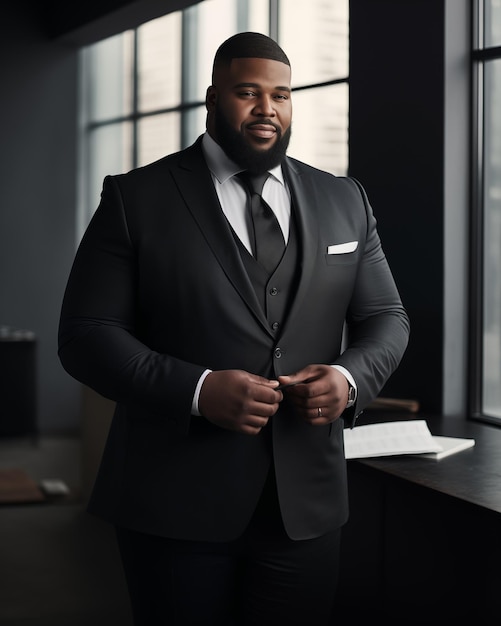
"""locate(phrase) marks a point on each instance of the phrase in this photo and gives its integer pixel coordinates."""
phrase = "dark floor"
(59, 566)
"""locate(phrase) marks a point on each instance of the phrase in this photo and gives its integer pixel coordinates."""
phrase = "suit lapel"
(304, 203)
(195, 184)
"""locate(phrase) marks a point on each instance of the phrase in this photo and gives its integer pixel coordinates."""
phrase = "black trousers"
(263, 578)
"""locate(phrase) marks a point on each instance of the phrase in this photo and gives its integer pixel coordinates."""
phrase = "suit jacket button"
(278, 353)
(275, 325)
(273, 291)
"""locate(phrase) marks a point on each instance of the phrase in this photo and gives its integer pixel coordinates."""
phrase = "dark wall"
(37, 201)
(397, 152)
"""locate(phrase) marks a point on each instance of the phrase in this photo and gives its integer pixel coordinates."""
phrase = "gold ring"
(319, 412)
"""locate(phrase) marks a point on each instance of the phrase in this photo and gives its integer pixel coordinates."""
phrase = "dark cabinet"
(18, 383)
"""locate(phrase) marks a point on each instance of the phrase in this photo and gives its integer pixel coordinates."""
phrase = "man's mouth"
(262, 131)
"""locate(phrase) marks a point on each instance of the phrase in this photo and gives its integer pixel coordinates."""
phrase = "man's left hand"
(319, 393)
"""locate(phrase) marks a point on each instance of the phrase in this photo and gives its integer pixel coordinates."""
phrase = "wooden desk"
(423, 543)
(472, 475)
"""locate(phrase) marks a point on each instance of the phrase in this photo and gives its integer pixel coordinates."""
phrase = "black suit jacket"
(158, 293)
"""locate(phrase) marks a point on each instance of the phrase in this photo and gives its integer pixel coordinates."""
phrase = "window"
(143, 91)
(486, 244)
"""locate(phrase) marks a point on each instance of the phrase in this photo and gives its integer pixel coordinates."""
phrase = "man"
(224, 471)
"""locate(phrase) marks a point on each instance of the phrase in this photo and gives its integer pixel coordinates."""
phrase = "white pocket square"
(343, 248)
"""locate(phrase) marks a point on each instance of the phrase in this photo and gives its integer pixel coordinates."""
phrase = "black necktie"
(268, 242)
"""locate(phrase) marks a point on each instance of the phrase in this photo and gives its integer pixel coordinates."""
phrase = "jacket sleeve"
(377, 322)
(97, 341)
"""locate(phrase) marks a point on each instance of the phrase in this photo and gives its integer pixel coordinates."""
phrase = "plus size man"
(224, 472)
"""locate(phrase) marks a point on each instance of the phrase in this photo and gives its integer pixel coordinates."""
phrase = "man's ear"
(211, 98)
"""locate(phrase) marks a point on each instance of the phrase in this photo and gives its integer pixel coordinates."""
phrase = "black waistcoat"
(274, 292)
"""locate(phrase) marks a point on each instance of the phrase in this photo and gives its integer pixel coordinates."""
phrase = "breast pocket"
(342, 253)
(341, 259)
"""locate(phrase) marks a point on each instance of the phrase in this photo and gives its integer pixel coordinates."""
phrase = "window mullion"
(135, 99)
(274, 9)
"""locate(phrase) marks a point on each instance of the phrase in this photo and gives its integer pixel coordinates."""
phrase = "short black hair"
(248, 45)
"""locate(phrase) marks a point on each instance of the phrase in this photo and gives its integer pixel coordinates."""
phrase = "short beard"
(242, 153)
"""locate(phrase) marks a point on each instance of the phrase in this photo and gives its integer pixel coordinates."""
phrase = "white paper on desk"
(389, 438)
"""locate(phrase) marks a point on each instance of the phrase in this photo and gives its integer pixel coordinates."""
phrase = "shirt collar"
(222, 166)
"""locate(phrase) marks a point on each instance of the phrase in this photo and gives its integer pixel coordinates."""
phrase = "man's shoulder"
(346, 189)
(319, 175)
(157, 169)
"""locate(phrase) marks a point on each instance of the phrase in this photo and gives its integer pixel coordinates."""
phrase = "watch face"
(351, 395)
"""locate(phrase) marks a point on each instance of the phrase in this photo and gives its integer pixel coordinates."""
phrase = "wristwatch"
(352, 395)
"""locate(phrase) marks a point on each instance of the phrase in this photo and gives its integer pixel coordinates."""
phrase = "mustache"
(267, 122)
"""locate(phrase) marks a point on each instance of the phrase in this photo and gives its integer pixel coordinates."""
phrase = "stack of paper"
(449, 445)
(400, 437)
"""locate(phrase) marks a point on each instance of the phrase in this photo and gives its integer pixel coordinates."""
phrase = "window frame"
(480, 55)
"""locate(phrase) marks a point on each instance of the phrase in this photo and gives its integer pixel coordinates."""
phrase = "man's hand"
(239, 401)
(319, 393)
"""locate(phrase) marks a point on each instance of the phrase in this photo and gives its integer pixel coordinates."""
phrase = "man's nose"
(265, 107)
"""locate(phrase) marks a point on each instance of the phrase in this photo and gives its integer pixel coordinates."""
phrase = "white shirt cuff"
(348, 377)
(196, 395)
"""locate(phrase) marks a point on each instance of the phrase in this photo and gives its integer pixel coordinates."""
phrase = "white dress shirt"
(233, 197)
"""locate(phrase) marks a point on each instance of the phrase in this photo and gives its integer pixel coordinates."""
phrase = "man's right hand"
(239, 401)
